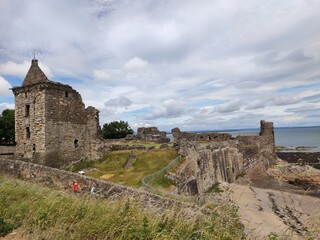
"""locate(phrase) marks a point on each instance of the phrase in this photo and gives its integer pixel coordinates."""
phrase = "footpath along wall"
(53, 177)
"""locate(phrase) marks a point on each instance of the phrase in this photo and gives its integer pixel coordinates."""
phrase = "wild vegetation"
(38, 212)
(116, 129)
(7, 127)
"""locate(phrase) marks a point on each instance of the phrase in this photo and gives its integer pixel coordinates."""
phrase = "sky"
(196, 65)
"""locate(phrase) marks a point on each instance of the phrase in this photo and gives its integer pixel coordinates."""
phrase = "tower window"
(28, 132)
(66, 94)
(76, 143)
(27, 110)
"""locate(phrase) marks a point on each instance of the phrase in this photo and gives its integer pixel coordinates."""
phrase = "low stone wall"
(7, 150)
(53, 177)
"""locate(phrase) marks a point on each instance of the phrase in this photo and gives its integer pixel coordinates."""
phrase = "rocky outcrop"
(208, 165)
(217, 157)
(295, 174)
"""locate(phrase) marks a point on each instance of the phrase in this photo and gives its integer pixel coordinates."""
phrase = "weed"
(5, 228)
(215, 188)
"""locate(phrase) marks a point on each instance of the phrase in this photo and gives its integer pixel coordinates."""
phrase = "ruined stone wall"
(62, 179)
(30, 122)
(65, 126)
(52, 125)
(208, 165)
(95, 146)
(258, 148)
(212, 161)
(207, 137)
(152, 134)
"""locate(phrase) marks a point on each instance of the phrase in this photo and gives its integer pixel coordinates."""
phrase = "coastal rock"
(295, 174)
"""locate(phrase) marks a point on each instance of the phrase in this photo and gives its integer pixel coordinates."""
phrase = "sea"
(286, 136)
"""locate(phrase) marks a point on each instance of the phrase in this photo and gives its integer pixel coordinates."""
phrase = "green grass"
(215, 188)
(41, 213)
(145, 144)
(111, 166)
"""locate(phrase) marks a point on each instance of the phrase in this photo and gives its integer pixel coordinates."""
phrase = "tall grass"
(42, 213)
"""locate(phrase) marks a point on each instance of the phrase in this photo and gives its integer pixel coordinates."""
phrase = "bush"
(5, 228)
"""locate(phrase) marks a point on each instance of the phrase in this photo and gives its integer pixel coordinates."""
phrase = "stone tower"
(52, 126)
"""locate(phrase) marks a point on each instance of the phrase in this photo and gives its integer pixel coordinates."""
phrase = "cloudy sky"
(197, 65)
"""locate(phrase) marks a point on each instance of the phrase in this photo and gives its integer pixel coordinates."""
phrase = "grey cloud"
(313, 98)
(286, 99)
(118, 102)
(296, 56)
(256, 104)
(229, 107)
(273, 58)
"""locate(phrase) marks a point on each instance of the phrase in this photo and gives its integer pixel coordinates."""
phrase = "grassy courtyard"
(111, 166)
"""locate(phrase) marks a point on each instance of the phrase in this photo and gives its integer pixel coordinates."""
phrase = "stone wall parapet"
(53, 177)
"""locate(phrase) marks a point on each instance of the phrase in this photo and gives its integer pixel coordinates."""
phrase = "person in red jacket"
(75, 187)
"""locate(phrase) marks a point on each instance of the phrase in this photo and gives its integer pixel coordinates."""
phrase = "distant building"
(52, 125)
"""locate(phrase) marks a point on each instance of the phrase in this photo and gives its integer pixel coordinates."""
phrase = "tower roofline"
(35, 74)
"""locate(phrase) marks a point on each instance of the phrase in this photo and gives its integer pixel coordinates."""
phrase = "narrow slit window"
(66, 94)
(28, 132)
(27, 110)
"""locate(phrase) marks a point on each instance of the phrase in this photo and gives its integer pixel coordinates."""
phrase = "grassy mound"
(42, 213)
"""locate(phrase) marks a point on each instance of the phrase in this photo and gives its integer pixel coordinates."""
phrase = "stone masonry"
(221, 158)
(60, 179)
(152, 134)
(52, 126)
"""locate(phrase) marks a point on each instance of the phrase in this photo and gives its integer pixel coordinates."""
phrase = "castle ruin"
(52, 125)
(218, 157)
(54, 128)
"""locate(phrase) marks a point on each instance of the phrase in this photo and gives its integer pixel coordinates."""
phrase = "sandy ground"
(264, 212)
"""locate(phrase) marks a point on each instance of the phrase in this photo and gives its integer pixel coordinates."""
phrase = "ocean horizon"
(284, 136)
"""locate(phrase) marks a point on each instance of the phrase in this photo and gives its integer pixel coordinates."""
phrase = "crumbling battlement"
(207, 137)
(221, 161)
(152, 134)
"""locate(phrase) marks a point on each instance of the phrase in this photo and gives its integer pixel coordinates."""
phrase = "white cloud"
(264, 62)
(135, 63)
(101, 75)
(4, 106)
(5, 88)
(168, 109)
(15, 69)
(12, 68)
